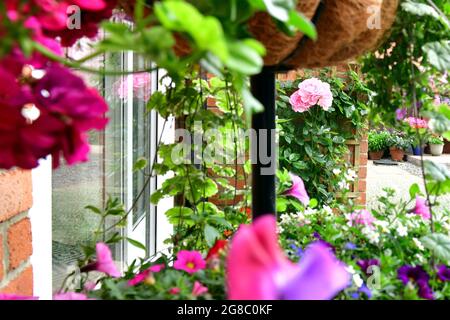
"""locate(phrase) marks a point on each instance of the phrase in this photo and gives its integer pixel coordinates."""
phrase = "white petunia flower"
(357, 280)
(336, 172)
(418, 244)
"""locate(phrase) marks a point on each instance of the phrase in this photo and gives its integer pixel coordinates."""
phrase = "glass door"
(130, 135)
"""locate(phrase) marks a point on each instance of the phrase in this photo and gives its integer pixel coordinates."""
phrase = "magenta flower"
(443, 273)
(418, 276)
(312, 92)
(298, 190)
(189, 261)
(258, 270)
(362, 217)
(70, 296)
(10, 296)
(141, 83)
(174, 291)
(199, 289)
(422, 208)
(365, 264)
(105, 262)
(401, 113)
(142, 276)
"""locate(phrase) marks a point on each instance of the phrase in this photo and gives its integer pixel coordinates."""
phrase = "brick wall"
(16, 272)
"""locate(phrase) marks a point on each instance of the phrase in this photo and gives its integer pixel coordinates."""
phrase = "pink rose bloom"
(298, 190)
(70, 296)
(142, 276)
(312, 92)
(189, 261)
(422, 208)
(199, 289)
(10, 296)
(362, 217)
(257, 268)
(105, 262)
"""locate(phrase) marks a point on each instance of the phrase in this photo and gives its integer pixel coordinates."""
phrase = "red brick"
(15, 193)
(362, 185)
(19, 243)
(362, 199)
(363, 159)
(22, 284)
(362, 174)
(1, 257)
(211, 102)
(364, 146)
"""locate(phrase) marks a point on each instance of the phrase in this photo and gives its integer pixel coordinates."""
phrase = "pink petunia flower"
(312, 92)
(422, 209)
(189, 261)
(142, 276)
(257, 268)
(199, 289)
(11, 296)
(298, 190)
(70, 296)
(105, 262)
(417, 123)
(174, 290)
(362, 217)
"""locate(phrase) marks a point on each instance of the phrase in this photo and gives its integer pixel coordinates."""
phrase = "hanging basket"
(346, 29)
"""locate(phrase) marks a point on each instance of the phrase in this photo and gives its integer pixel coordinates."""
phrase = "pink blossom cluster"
(311, 92)
(417, 123)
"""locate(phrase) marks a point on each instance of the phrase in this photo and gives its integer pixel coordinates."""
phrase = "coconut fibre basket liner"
(346, 29)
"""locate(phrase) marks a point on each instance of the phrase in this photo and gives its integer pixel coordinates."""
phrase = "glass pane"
(109, 170)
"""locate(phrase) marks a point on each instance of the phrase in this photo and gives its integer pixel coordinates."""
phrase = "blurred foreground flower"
(258, 270)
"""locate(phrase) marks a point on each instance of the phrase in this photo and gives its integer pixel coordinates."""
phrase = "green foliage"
(439, 244)
(312, 144)
(436, 140)
(378, 141)
(399, 141)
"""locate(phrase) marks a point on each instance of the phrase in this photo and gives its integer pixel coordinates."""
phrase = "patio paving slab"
(443, 159)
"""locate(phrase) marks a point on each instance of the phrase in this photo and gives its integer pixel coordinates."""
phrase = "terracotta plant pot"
(342, 26)
(376, 155)
(436, 149)
(397, 154)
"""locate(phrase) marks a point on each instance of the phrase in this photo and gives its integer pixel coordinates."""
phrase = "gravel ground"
(400, 178)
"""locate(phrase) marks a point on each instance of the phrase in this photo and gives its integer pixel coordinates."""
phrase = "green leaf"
(436, 171)
(93, 209)
(438, 54)
(439, 244)
(313, 203)
(303, 24)
(414, 190)
(137, 244)
(244, 58)
(282, 204)
(419, 9)
(140, 164)
(211, 234)
(176, 214)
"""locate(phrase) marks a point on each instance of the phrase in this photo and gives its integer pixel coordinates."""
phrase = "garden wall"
(16, 272)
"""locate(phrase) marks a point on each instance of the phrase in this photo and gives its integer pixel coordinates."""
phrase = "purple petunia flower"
(350, 246)
(443, 273)
(298, 251)
(401, 113)
(419, 276)
(365, 264)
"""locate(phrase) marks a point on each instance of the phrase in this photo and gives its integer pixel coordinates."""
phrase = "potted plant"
(436, 145)
(398, 144)
(377, 144)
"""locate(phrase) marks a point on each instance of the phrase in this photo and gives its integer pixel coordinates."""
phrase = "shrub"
(399, 141)
(378, 140)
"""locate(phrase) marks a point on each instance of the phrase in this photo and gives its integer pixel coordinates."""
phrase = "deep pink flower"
(105, 262)
(10, 296)
(362, 217)
(142, 276)
(422, 208)
(443, 273)
(189, 261)
(215, 251)
(312, 92)
(174, 290)
(257, 269)
(298, 190)
(70, 296)
(199, 289)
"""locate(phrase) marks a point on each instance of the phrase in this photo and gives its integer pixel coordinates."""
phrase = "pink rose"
(312, 92)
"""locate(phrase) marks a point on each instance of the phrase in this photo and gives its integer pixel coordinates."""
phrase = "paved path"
(399, 177)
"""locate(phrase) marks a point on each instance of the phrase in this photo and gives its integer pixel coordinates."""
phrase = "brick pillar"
(362, 172)
(16, 273)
